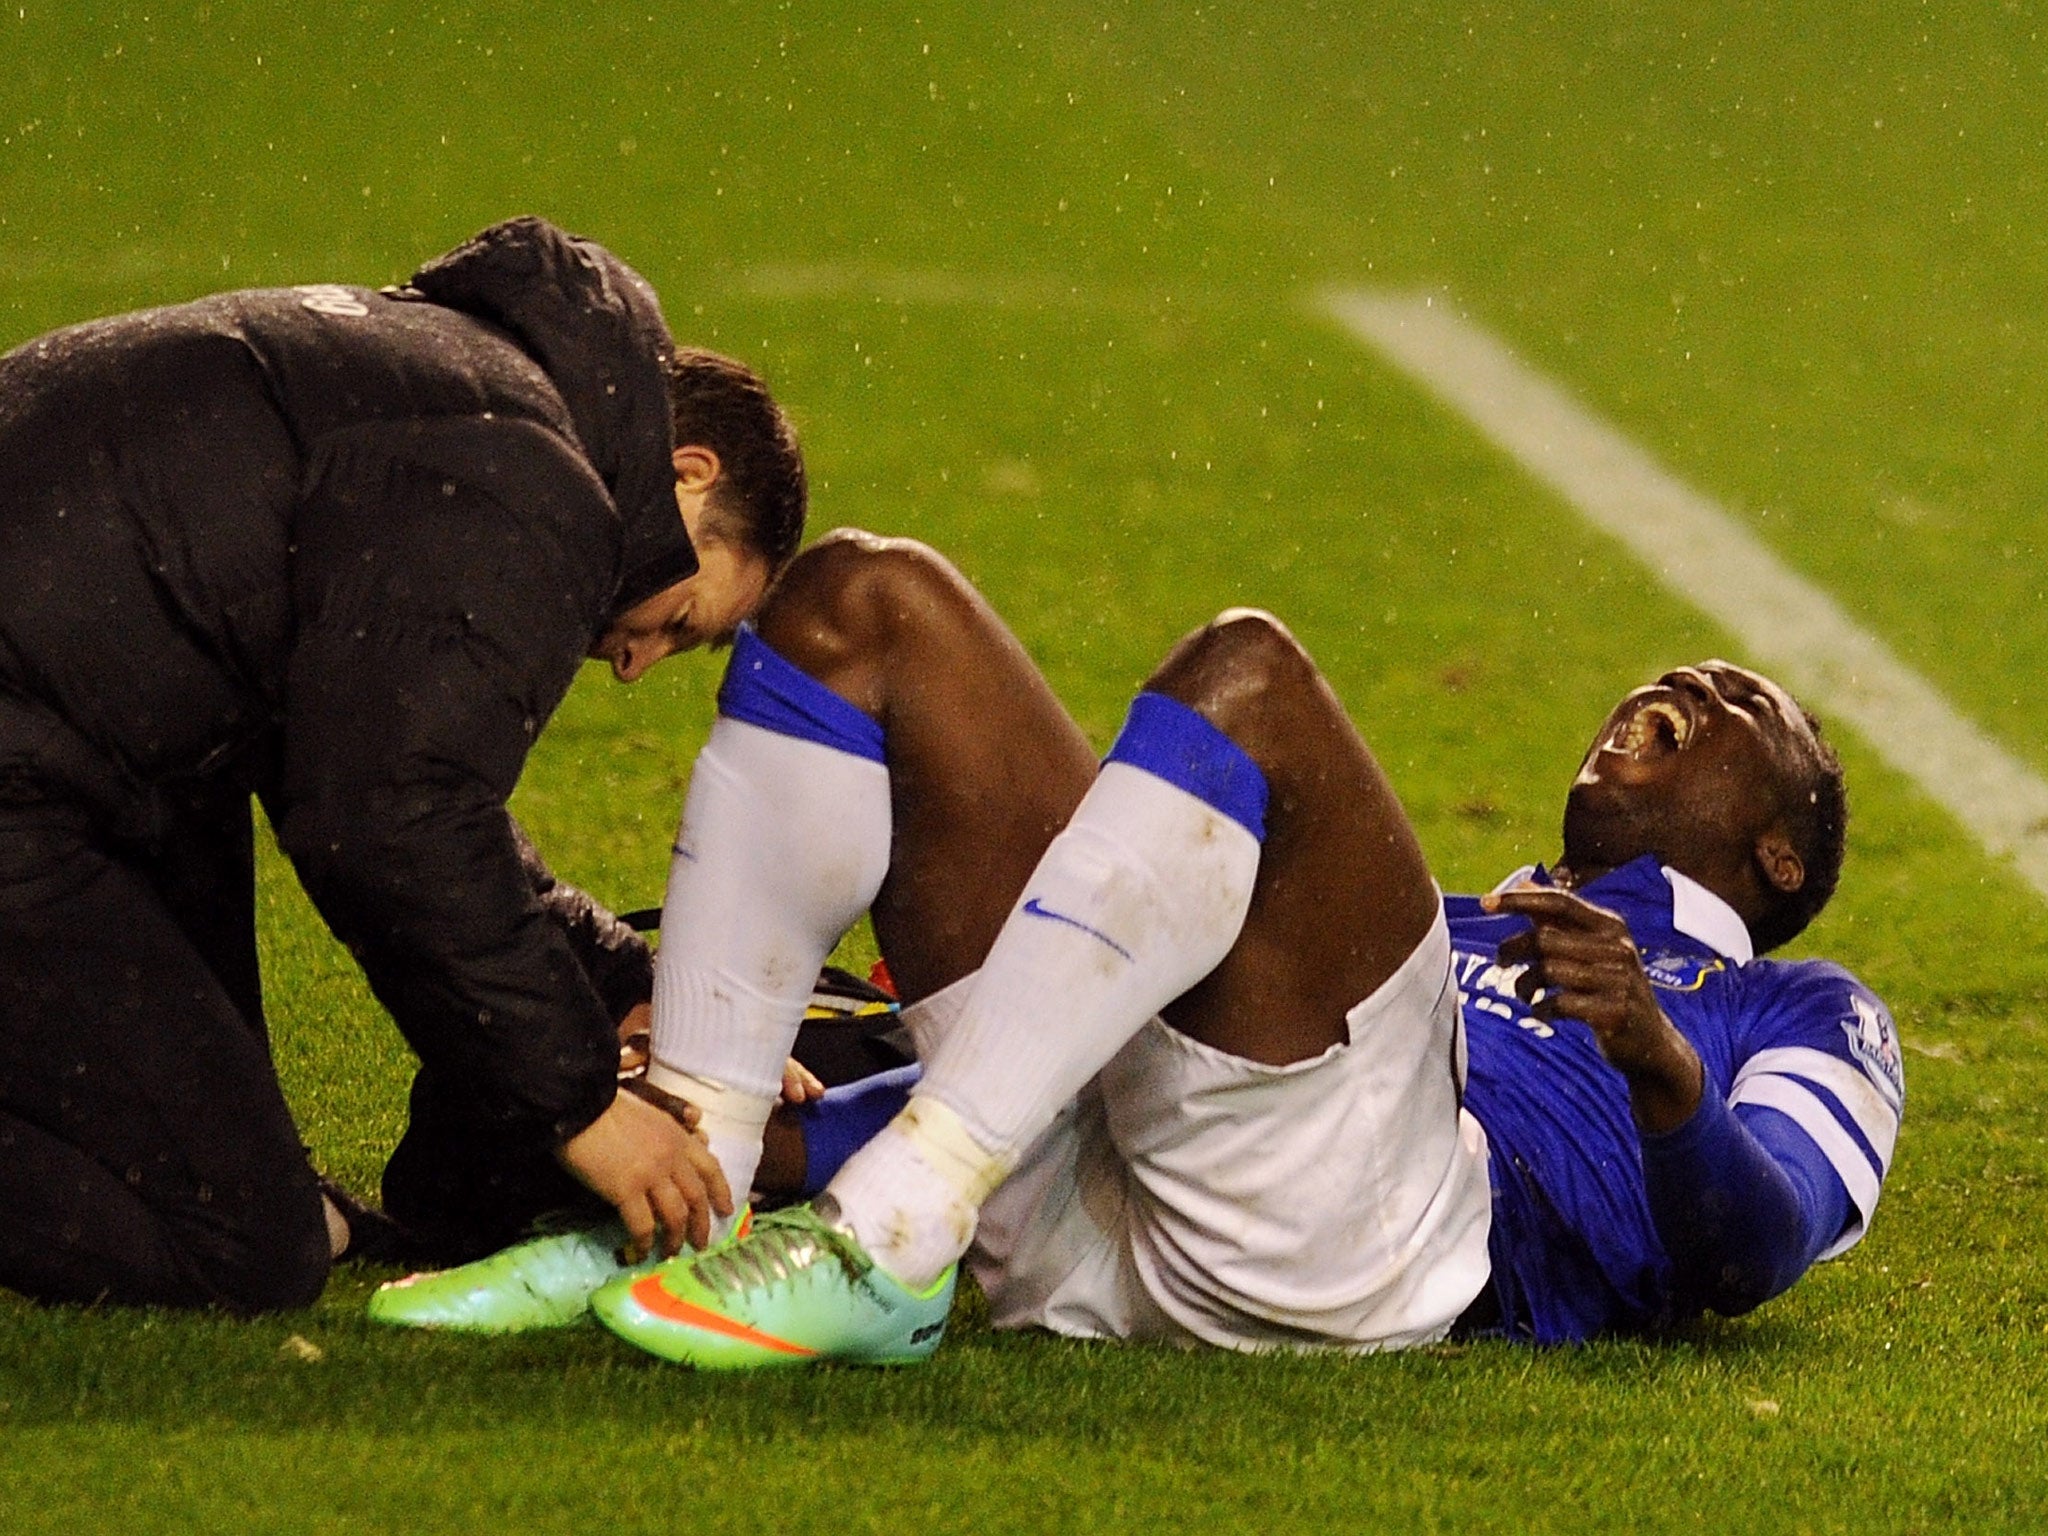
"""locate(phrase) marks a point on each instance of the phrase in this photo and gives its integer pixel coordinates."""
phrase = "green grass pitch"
(1033, 278)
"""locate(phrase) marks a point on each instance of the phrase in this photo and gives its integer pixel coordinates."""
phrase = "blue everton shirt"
(1598, 1228)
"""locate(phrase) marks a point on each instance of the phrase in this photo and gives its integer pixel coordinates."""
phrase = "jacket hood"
(596, 329)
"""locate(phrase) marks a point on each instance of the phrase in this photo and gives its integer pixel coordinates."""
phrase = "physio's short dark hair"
(762, 496)
(1817, 818)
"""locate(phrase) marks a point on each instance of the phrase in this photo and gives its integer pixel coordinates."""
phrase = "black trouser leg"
(146, 1152)
(459, 1186)
(462, 1189)
(205, 874)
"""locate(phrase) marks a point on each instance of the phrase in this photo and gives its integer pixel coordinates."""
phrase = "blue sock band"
(1167, 739)
(764, 689)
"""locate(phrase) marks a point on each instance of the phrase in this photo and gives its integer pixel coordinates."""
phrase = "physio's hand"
(1586, 967)
(662, 1180)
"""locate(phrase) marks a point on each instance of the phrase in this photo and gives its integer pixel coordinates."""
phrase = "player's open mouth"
(1657, 727)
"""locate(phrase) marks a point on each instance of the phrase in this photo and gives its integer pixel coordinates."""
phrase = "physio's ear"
(1783, 870)
(697, 467)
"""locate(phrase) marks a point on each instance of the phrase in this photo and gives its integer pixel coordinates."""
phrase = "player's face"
(1694, 768)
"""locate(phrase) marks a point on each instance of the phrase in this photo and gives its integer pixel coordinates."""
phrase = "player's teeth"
(1680, 726)
(1640, 730)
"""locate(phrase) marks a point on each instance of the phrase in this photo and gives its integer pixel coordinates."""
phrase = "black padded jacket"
(350, 546)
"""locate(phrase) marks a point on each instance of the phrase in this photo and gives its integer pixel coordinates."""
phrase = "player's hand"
(1584, 965)
(662, 1180)
(800, 1085)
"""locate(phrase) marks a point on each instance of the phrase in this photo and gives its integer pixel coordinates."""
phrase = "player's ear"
(1779, 862)
(697, 467)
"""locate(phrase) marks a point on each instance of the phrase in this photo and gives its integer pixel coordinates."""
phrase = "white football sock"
(784, 842)
(1139, 898)
(912, 1194)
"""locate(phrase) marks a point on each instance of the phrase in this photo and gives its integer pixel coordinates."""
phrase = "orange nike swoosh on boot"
(650, 1294)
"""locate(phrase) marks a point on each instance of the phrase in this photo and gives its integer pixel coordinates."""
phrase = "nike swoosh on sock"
(1033, 908)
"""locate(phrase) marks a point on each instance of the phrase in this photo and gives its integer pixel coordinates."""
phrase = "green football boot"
(798, 1289)
(544, 1282)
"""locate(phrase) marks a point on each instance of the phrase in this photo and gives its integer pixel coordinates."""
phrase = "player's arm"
(1743, 1204)
(808, 1138)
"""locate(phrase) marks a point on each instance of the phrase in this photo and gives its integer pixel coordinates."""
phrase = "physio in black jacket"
(344, 550)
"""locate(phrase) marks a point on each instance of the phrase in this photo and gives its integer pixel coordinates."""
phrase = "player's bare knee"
(1235, 668)
(853, 594)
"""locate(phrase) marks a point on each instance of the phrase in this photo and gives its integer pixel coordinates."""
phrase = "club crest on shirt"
(1873, 1043)
(1681, 973)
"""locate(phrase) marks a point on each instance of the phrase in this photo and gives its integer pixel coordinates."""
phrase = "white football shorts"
(1191, 1196)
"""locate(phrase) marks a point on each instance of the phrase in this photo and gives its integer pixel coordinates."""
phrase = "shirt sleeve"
(1743, 1203)
(1784, 1168)
(1821, 1054)
(619, 963)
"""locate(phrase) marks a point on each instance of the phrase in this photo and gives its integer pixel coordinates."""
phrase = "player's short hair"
(762, 496)
(1817, 817)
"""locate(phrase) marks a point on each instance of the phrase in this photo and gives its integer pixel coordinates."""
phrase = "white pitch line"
(1705, 556)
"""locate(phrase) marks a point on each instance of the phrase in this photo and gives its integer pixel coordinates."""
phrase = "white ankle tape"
(944, 1141)
(725, 1111)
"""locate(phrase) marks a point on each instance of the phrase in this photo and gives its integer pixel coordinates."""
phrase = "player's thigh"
(1343, 895)
(118, 1038)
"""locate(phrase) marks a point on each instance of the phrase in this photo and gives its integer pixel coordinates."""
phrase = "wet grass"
(1032, 282)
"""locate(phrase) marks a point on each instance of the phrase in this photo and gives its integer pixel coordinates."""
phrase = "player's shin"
(1141, 896)
(783, 844)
